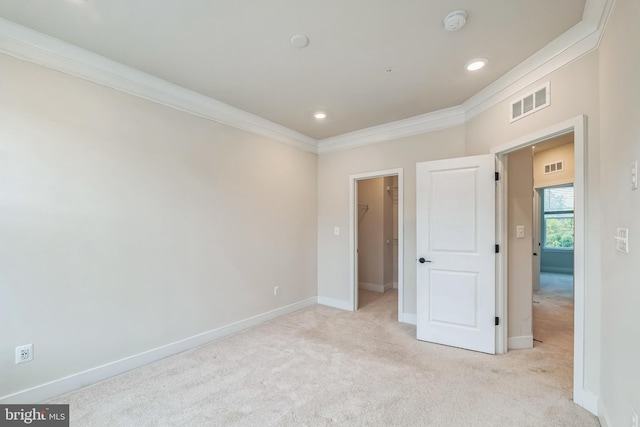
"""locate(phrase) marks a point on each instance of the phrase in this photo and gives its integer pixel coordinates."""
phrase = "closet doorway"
(376, 237)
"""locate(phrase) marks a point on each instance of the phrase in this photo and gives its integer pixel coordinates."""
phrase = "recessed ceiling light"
(476, 64)
(320, 115)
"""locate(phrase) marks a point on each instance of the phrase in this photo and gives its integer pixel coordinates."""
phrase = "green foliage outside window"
(559, 232)
(558, 217)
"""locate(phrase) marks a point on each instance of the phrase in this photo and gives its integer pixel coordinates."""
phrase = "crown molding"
(576, 42)
(596, 12)
(407, 127)
(573, 44)
(30, 45)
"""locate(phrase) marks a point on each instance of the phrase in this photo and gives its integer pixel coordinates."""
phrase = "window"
(558, 218)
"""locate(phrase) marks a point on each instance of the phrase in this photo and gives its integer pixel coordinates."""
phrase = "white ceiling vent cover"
(530, 103)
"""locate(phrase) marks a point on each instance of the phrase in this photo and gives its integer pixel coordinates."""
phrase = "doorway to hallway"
(577, 126)
(553, 311)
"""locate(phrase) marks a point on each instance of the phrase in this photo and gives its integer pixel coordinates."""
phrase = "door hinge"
(497, 176)
(497, 249)
(497, 321)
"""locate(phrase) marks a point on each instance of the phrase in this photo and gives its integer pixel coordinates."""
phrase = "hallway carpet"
(322, 366)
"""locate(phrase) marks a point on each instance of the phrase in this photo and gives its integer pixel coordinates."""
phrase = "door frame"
(537, 247)
(577, 125)
(353, 235)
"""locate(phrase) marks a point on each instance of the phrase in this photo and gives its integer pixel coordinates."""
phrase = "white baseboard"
(395, 285)
(588, 401)
(603, 416)
(67, 384)
(409, 318)
(335, 303)
(520, 343)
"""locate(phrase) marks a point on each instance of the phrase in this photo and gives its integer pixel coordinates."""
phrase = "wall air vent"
(530, 103)
(554, 167)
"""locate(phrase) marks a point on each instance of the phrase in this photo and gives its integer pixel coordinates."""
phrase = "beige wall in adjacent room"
(334, 169)
(388, 230)
(126, 225)
(540, 159)
(375, 233)
(551, 260)
(520, 273)
(574, 92)
(620, 139)
(371, 232)
(394, 236)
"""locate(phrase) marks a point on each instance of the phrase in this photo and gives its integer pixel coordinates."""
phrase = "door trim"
(353, 236)
(577, 125)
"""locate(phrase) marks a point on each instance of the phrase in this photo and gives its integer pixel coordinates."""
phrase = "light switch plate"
(520, 231)
(336, 231)
(634, 175)
(622, 240)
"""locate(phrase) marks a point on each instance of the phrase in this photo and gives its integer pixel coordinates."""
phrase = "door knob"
(422, 260)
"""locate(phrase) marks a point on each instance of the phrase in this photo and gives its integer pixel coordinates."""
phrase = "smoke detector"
(455, 20)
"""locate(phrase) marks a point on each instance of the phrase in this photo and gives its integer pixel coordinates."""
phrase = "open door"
(455, 228)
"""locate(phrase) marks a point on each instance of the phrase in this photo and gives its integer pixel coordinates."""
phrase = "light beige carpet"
(321, 366)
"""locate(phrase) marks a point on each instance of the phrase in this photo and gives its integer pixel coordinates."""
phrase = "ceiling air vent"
(554, 167)
(530, 103)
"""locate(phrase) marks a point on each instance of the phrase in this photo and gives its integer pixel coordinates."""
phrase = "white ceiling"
(238, 51)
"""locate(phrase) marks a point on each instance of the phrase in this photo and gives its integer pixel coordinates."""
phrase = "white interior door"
(455, 203)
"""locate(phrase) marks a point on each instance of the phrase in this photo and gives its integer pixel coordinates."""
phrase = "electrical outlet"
(276, 291)
(24, 353)
(634, 418)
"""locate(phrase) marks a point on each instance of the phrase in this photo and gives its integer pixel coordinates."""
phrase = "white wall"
(334, 169)
(574, 91)
(126, 225)
(620, 115)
